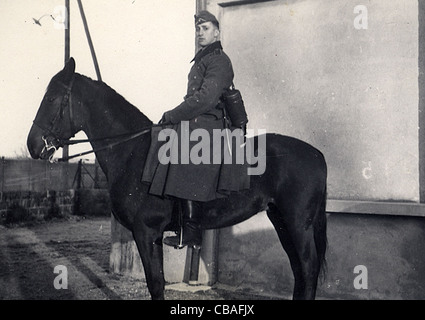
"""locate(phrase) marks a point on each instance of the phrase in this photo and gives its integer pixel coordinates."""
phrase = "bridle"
(55, 142)
(54, 133)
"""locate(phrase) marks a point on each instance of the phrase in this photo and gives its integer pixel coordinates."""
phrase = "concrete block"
(125, 259)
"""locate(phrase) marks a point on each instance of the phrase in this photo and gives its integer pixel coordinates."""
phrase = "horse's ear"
(69, 68)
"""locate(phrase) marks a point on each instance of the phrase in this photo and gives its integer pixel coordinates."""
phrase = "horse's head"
(54, 122)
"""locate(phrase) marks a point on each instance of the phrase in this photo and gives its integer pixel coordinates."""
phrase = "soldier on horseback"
(203, 108)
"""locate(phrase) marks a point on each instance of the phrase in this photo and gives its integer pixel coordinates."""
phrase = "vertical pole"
(210, 237)
(2, 178)
(194, 265)
(65, 149)
(29, 175)
(96, 175)
(77, 190)
(201, 5)
(194, 253)
(67, 32)
(79, 171)
(421, 106)
(46, 168)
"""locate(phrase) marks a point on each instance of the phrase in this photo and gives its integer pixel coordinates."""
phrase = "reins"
(129, 137)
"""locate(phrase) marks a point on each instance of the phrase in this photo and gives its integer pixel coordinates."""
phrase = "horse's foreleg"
(149, 244)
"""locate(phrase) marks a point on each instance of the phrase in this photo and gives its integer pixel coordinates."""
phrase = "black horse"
(292, 189)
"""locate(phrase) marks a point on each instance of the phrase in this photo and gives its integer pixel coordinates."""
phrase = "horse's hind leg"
(298, 242)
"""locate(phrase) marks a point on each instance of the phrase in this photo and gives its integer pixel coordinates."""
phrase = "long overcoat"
(202, 108)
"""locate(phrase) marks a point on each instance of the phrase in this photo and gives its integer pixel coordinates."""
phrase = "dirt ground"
(29, 255)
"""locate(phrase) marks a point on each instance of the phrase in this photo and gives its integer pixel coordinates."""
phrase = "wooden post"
(65, 149)
(421, 117)
(195, 253)
(209, 237)
(29, 175)
(77, 188)
(2, 177)
(67, 32)
(79, 172)
(201, 5)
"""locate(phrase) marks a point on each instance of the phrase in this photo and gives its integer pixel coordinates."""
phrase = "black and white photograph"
(216, 154)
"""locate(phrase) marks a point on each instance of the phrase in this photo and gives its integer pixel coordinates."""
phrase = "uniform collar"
(207, 50)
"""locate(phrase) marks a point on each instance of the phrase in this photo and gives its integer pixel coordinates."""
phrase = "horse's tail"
(320, 238)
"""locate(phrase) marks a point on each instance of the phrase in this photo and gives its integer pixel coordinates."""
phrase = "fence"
(17, 206)
(38, 189)
(41, 176)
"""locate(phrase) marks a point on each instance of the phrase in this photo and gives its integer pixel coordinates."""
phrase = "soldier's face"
(206, 33)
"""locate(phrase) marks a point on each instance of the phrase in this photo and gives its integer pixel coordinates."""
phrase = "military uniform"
(194, 183)
(209, 77)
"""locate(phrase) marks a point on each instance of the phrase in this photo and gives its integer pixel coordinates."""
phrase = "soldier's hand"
(165, 118)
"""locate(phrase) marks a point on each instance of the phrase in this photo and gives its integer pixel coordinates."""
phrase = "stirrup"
(177, 242)
(182, 245)
(179, 234)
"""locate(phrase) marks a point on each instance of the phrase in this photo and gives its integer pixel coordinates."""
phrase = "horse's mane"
(122, 110)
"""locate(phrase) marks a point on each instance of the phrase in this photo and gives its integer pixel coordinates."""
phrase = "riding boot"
(190, 233)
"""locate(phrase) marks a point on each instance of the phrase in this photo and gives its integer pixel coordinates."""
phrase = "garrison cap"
(205, 16)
